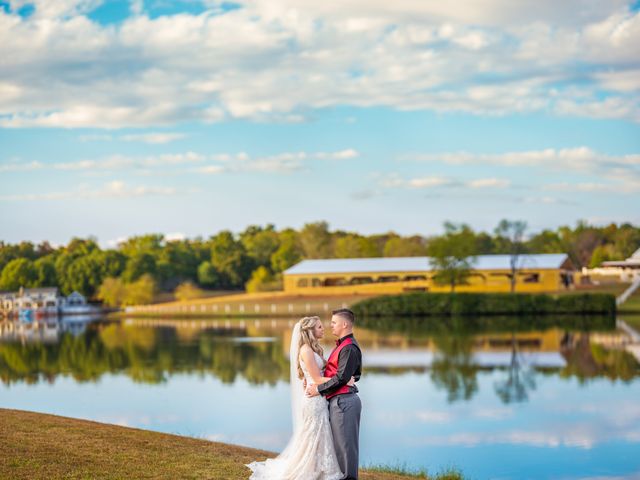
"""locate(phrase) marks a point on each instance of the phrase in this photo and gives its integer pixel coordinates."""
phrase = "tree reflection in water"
(453, 368)
(520, 378)
(145, 354)
(152, 354)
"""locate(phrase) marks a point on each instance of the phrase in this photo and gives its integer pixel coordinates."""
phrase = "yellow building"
(491, 273)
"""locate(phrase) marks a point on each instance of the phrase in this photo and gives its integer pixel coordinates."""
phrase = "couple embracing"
(325, 406)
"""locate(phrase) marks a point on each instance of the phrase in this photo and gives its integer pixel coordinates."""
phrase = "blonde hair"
(307, 324)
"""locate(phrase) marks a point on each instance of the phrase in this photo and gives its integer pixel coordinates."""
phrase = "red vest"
(332, 368)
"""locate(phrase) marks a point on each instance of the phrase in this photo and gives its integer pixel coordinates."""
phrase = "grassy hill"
(37, 446)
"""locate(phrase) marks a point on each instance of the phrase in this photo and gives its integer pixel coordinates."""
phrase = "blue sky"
(187, 117)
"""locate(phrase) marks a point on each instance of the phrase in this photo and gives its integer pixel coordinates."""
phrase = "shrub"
(478, 304)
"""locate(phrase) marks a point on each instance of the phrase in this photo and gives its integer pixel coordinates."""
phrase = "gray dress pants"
(344, 416)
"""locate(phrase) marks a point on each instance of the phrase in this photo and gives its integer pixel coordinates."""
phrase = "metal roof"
(420, 264)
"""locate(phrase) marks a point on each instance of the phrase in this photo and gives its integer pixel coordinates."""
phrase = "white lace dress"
(310, 454)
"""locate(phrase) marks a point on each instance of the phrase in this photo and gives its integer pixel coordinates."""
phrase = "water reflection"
(151, 351)
(499, 399)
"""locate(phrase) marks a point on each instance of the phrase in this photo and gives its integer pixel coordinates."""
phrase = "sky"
(121, 118)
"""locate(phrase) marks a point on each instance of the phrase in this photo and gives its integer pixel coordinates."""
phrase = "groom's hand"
(312, 390)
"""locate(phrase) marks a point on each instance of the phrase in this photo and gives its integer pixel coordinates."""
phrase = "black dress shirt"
(349, 365)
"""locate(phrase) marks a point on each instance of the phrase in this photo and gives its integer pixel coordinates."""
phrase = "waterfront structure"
(42, 301)
(388, 275)
(626, 270)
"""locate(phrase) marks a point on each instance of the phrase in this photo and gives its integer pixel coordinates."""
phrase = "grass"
(632, 320)
(36, 445)
(632, 305)
(405, 472)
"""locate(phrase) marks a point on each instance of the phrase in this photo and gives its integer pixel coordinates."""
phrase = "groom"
(344, 362)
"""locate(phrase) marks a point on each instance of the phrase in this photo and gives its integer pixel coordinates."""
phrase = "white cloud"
(489, 183)
(571, 160)
(428, 182)
(625, 186)
(174, 236)
(396, 181)
(576, 436)
(19, 167)
(279, 59)
(113, 189)
(209, 169)
(151, 138)
(340, 155)
(286, 162)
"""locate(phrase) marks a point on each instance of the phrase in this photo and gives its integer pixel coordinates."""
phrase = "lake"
(543, 403)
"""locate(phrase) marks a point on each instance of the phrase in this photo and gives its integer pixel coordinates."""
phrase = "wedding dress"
(310, 454)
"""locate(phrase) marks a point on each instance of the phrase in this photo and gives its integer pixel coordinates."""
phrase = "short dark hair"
(346, 314)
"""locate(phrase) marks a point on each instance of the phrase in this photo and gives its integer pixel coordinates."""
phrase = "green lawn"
(41, 446)
(633, 320)
(631, 305)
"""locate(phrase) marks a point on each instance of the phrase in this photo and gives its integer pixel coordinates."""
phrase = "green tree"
(79, 247)
(150, 243)
(262, 281)
(599, 255)
(10, 252)
(137, 265)
(260, 243)
(208, 275)
(112, 263)
(141, 291)
(112, 291)
(397, 246)
(177, 262)
(451, 255)
(315, 240)
(230, 260)
(546, 241)
(627, 241)
(19, 272)
(46, 271)
(83, 275)
(511, 233)
(354, 246)
(287, 254)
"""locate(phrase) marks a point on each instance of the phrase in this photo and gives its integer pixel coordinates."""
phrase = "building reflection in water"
(152, 350)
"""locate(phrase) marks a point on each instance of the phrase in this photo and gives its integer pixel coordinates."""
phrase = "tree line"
(255, 258)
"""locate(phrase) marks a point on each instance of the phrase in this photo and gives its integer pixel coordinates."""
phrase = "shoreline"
(42, 445)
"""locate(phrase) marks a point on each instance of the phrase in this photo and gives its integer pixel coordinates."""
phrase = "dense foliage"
(259, 255)
(475, 304)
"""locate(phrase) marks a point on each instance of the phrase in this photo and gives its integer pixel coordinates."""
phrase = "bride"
(310, 454)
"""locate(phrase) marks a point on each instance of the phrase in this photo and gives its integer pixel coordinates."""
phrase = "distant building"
(623, 270)
(491, 273)
(47, 300)
(75, 299)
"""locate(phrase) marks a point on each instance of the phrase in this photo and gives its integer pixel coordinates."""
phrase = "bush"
(188, 291)
(262, 281)
(478, 304)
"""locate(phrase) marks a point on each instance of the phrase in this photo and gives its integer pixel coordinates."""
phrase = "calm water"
(553, 403)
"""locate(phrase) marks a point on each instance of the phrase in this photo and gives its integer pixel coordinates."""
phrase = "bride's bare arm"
(310, 362)
(316, 375)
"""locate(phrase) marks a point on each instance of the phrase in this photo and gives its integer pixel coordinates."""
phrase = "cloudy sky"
(187, 117)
